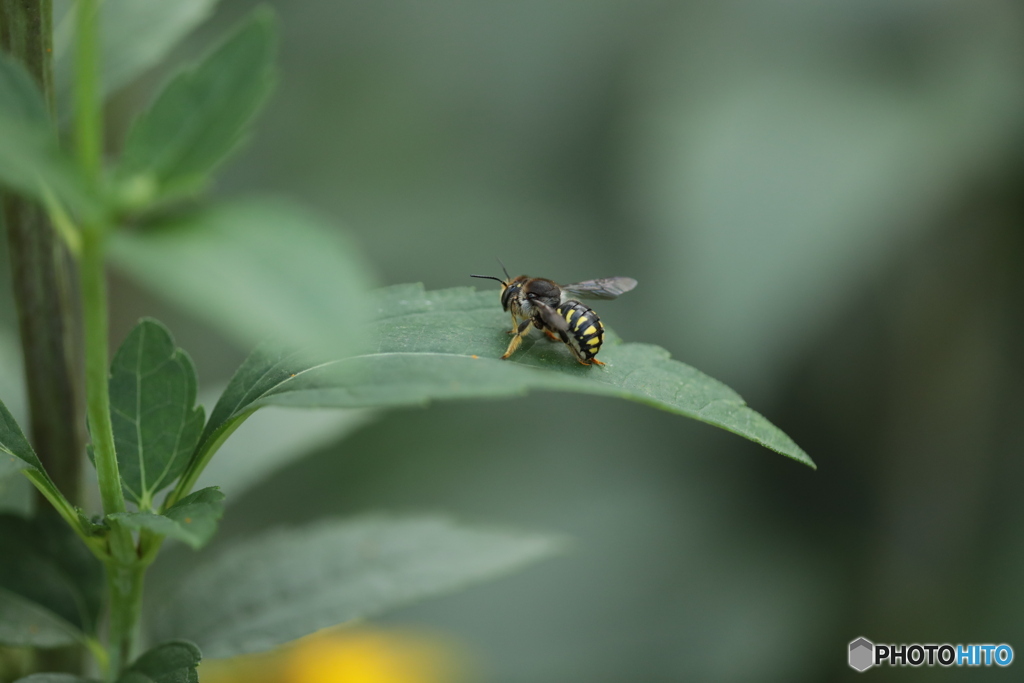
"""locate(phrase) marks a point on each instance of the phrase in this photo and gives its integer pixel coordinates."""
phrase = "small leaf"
(204, 112)
(256, 269)
(12, 380)
(135, 35)
(16, 454)
(288, 583)
(45, 566)
(30, 159)
(152, 402)
(192, 520)
(172, 662)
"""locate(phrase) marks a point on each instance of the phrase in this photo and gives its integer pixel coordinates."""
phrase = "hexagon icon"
(862, 654)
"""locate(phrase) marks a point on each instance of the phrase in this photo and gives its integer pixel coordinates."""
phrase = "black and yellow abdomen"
(585, 333)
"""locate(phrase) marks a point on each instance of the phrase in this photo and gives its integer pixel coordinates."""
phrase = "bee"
(554, 308)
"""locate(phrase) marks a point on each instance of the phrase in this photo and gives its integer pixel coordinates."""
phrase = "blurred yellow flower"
(349, 656)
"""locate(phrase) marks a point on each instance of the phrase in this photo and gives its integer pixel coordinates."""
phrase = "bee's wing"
(604, 288)
(550, 317)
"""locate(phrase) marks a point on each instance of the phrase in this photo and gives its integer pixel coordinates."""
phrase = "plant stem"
(41, 281)
(94, 308)
(88, 112)
(125, 571)
(26, 34)
(125, 583)
(94, 314)
(40, 278)
(89, 141)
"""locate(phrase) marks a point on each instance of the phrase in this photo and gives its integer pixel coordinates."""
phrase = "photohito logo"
(864, 654)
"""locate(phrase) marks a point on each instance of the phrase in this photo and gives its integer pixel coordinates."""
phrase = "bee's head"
(509, 287)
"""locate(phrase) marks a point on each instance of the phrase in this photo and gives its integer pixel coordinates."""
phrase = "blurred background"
(822, 201)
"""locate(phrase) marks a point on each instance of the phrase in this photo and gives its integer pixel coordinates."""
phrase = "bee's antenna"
(503, 268)
(488, 277)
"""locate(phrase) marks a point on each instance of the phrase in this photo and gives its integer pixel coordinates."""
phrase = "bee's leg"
(581, 359)
(515, 325)
(521, 331)
(551, 335)
(577, 355)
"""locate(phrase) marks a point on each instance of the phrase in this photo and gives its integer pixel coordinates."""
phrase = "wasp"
(555, 309)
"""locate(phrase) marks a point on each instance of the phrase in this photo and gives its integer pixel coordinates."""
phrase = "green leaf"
(53, 585)
(256, 269)
(172, 662)
(55, 678)
(296, 581)
(446, 345)
(135, 35)
(266, 368)
(203, 113)
(24, 623)
(18, 453)
(192, 520)
(12, 379)
(19, 97)
(30, 159)
(152, 403)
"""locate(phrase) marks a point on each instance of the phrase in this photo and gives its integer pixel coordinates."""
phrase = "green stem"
(40, 275)
(94, 310)
(88, 112)
(94, 314)
(125, 584)
(125, 571)
(26, 34)
(89, 141)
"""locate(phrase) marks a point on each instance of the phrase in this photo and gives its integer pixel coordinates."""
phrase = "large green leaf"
(445, 345)
(290, 582)
(256, 269)
(152, 404)
(53, 584)
(26, 623)
(134, 34)
(192, 520)
(172, 662)
(30, 160)
(203, 113)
